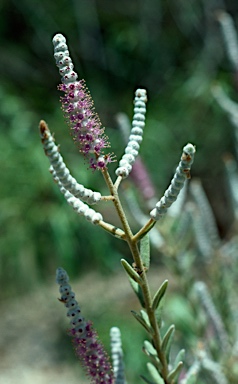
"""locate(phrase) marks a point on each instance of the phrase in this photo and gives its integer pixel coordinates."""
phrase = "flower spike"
(181, 174)
(117, 356)
(77, 105)
(63, 60)
(81, 208)
(88, 348)
(213, 315)
(139, 174)
(60, 172)
(229, 36)
(136, 136)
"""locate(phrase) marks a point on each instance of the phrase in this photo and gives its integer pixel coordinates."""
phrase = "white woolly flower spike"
(216, 321)
(232, 179)
(81, 208)
(181, 174)
(203, 240)
(61, 173)
(213, 369)
(63, 60)
(136, 136)
(230, 37)
(206, 213)
(228, 105)
(117, 356)
(192, 373)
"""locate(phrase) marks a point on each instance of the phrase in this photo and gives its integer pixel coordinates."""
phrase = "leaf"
(152, 353)
(149, 349)
(138, 291)
(130, 271)
(180, 357)
(175, 372)
(155, 374)
(145, 317)
(159, 295)
(145, 250)
(139, 318)
(159, 301)
(167, 341)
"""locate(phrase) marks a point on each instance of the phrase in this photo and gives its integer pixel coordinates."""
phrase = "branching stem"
(107, 198)
(117, 182)
(117, 232)
(144, 230)
(132, 241)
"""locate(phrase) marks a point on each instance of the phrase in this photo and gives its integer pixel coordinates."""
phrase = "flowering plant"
(91, 140)
(189, 238)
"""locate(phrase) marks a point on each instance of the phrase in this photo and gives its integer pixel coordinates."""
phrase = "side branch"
(117, 232)
(61, 172)
(181, 174)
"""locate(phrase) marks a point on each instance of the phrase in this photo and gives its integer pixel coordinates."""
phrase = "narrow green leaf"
(152, 353)
(145, 250)
(155, 374)
(145, 317)
(149, 349)
(167, 341)
(138, 291)
(159, 295)
(180, 357)
(139, 318)
(158, 315)
(159, 309)
(173, 375)
(130, 271)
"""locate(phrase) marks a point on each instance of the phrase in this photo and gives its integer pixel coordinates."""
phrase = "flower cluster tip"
(77, 105)
(88, 347)
(136, 135)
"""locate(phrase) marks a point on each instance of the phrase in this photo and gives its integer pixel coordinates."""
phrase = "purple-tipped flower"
(85, 125)
(88, 348)
(78, 108)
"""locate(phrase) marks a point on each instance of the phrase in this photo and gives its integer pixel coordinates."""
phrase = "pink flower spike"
(84, 124)
(87, 345)
(77, 105)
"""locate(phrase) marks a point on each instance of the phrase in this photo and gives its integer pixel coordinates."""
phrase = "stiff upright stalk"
(132, 242)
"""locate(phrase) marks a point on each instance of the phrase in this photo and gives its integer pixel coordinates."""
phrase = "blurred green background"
(173, 48)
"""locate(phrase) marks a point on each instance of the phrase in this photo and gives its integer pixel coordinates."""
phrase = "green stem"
(132, 242)
(144, 230)
(117, 232)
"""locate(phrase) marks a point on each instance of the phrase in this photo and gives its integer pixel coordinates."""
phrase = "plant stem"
(117, 232)
(132, 242)
(144, 230)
